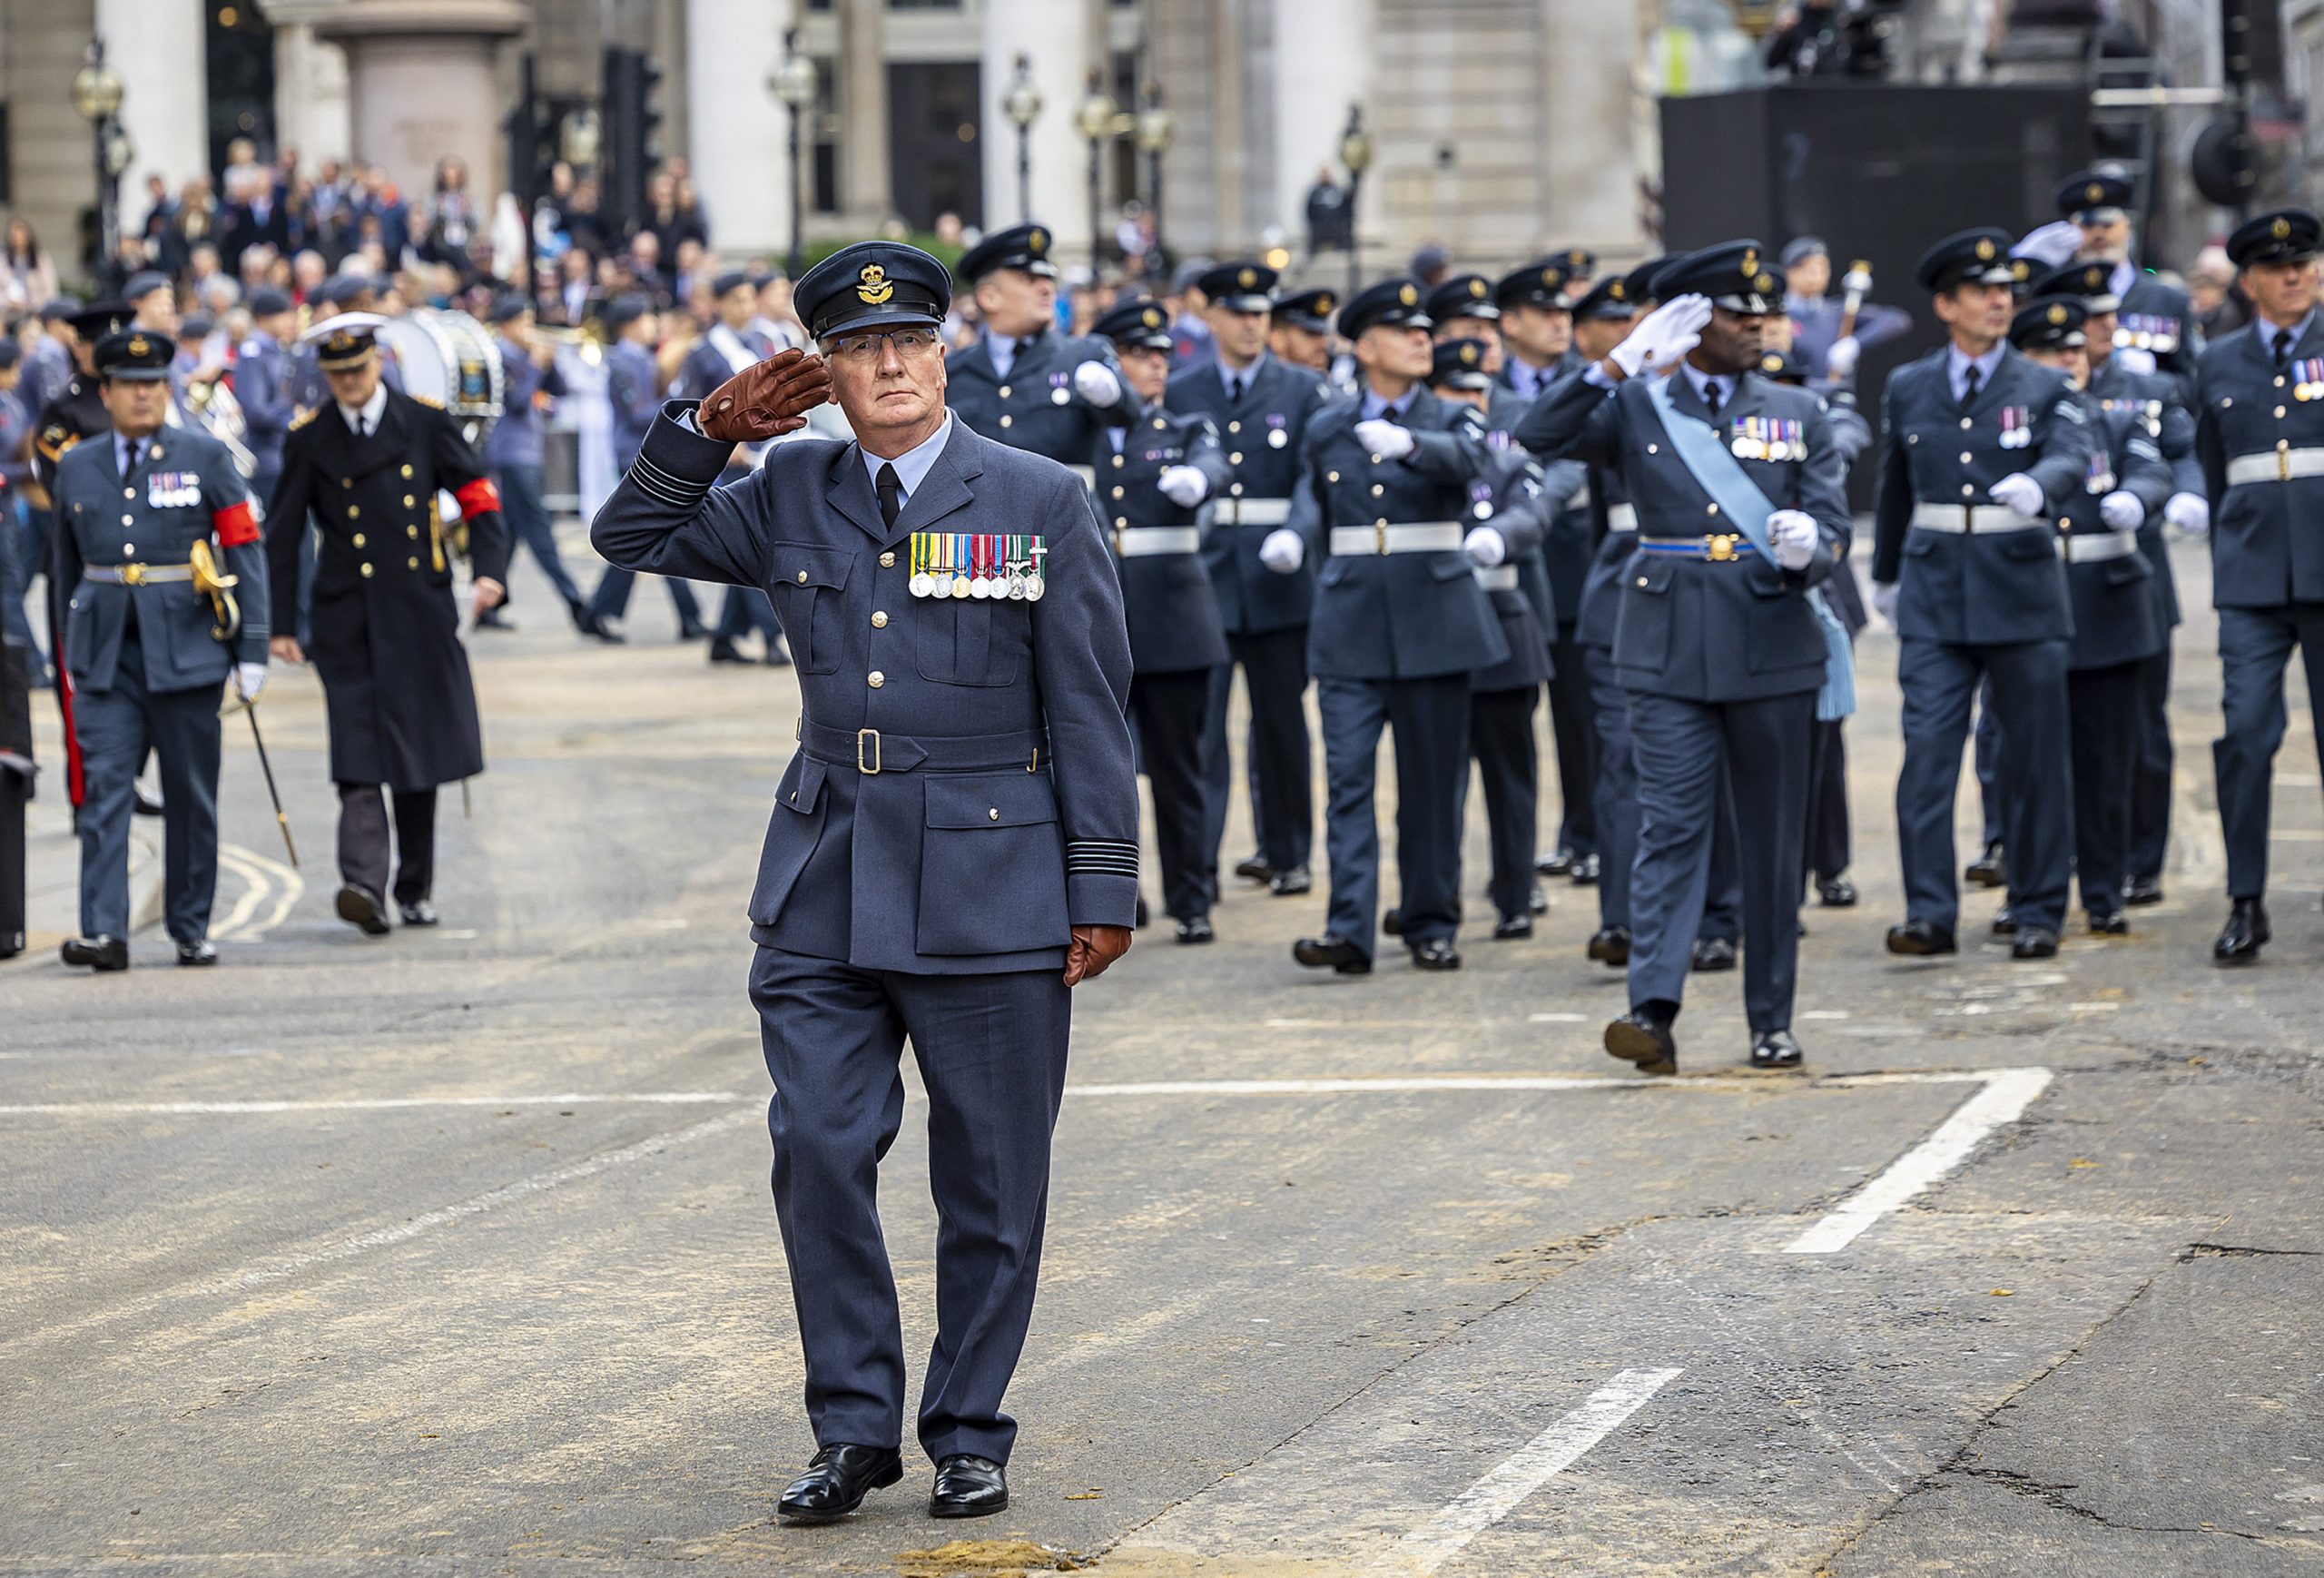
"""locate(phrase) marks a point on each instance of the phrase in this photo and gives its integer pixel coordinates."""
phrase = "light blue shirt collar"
(1957, 367)
(1377, 405)
(1003, 349)
(2267, 332)
(913, 465)
(1229, 378)
(1700, 382)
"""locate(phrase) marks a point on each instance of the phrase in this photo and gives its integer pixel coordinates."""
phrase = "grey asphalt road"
(451, 1252)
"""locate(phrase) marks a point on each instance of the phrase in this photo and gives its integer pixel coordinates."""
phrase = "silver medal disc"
(923, 585)
(1277, 438)
(1034, 587)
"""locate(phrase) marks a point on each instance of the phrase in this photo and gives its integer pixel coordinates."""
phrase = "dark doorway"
(240, 81)
(934, 124)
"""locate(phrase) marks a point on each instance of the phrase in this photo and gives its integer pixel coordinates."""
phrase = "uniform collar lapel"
(850, 493)
(946, 488)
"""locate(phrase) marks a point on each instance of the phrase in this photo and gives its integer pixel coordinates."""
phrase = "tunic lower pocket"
(992, 865)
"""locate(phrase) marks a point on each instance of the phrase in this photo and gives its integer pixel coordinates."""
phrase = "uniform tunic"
(1035, 407)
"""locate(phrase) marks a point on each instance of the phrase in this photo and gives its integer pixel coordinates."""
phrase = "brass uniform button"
(803, 577)
(366, 568)
(411, 563)
(1233, 427)
(1377, 490)
(879, 619)
(407, 471)
(878, 680)
(1008, 422)
(1117, 492)
(358, 540)
(1235, 458)
(1711, 509)
(346, 482)
(1004, 391)
(411, 531)
(1117, 460)
(408, 502)
(887, 561)
(353, 511)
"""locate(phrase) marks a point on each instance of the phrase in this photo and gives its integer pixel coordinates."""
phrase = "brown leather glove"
(1092, 949)
(765, 399)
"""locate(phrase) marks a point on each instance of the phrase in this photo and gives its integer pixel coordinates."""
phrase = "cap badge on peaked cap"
(875, 288)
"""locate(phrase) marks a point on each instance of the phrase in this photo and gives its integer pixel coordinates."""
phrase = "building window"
(823, 184)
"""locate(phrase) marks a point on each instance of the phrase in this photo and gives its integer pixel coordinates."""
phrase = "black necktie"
(1234, 388)
(1713, 396)
(1969, 384)
(2283, 346)
(891, 495)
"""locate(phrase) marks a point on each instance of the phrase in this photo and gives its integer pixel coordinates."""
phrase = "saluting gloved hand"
(1183, 486)
(2020, 492)
(1485, 546)
(2190, 512)
(1095, 381)
(2137, 360)
(2121, 511)
(1840, 360)
(1662, 336)
(766, 400)
(1282, 550)
(250, 678)
(1793, 535)
(1885, 595)
(1389, 440)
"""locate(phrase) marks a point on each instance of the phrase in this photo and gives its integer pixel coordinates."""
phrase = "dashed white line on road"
(370, 1104)
(1557, 1019)
(1554, 1450)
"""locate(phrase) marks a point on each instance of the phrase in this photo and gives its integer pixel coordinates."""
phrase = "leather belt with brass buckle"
(873, 735)
(137, 575)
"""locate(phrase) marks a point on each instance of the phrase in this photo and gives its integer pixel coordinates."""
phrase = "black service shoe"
(1436, 953)
(1557, 864)
(1283, 884)
(1585, 872)
(580, 612)
(968, 1487)
(1991, 869)
(1196, 929)
(1921, 939)
(606, 629)
(98, 954)
(198, 955)
(1253, 869)
(419, 913)
(2240, 941)
(147, 806)
(1774, 1049)
(1611, 945)
(692, 630)
(1511, 927)
(1328, 951)
(1710, 954)
(1391, 921)
(1537, 902)
(836, 1481)
(361, 907)
(2139, 892)
(493, 619)
(1643, 1038)
(2109, 923)
(2034, 942)
(722, 650)
(1836, 894)
(2004, 923)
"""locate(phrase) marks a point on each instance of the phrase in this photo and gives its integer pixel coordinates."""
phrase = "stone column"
(1593, 95)
(421, 86)
(158, 48)
(1323, 64)
(740, 132)
(863, 191)
(1055, 37)
(310, 102)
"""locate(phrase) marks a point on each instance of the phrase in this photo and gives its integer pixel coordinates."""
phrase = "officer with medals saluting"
(1400, 625)
(1152, 479)
(1260, 405)
(1720, 646)
(367, 466)
(1982, 445)
(953, 848)
(153, 628)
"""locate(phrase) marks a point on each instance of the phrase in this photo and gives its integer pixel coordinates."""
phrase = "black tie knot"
(892, 493)
(1969, 384)
(2283, 346)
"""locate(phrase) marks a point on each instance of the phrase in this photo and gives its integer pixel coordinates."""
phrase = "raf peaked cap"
(1735, 275)
(1024, 246)
(266, 301)
(1463, 296)
(626, 309)
(1309, 310)
(872, 285)
(2094, 196)
(1239, 287)
(343, 341)
(1139, 322)
(1970, 257)
(1611, 297)
(93, 323)
(1782, 367)
(2049, 323)
(1800, 248)
(1540, 283)
(135, 356)
(2092, 284)
(509, 306)
(2282, 236)
(1459, 364)
(731, 280)
(1577, 260)
(1390, 304)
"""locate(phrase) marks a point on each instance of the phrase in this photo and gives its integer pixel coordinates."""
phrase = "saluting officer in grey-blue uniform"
(1982, 447)
(1717, 645)
(2155, 321)
(142, 511)
(958, 826)
(1153, 478)
(2260, 430)
(633, 388)
(1400, 626)
(1260, 405)
(266, 371)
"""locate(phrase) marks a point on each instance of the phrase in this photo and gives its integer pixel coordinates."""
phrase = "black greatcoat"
(386, 622)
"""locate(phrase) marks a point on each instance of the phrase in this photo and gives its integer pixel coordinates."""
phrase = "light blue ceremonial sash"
(1720, 475)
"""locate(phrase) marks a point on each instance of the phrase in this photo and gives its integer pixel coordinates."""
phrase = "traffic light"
(532, 140)
(633, 124)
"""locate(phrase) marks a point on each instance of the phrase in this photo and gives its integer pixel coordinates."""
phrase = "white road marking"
(1554, 1450)
(2007, 1093)
(255, 888)
(1557, 1019)
(268, 878)
(372, 1104)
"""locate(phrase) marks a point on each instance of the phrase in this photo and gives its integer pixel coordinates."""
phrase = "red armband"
(479, 498)
(236, 525)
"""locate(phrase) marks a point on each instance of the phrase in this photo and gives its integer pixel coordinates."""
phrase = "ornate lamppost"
(97, 95)
(1155, 130)
(1022, 104)
(793, 82)
(1355, 152)
(1096, 120)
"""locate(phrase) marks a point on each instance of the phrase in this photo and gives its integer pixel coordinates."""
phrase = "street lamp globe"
(1156, 127)
(1355, 143)
(1022, 104)
(1096, 115)
(96, 92)
(793, 81)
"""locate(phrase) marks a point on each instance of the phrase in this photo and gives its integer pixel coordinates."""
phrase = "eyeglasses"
(910, 343)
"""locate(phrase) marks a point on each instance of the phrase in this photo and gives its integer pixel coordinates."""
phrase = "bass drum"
(453, 360)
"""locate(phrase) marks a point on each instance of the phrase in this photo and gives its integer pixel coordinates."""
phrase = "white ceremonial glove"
(2020, 492)
(1663, 336)
(250, 678)
(1282, 550)
(2132, 357)
(1840, 360)
(1793, 535)
(2190, 512)
(1095, 381)
(1883, 600)
(1183, 486)
(2121, 511)
(1485, 546)
(1389, 440)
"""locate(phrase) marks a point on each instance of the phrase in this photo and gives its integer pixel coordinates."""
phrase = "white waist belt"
(1253, 511)
(1978, 518)
(1621, 517)
(1414, 536)
(2098, 547)
(1089, 475)
(2275, 465)
(1134, 542)
(1500, 578)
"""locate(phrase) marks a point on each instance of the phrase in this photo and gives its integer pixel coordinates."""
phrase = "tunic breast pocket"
(963, 641)
(810, 591)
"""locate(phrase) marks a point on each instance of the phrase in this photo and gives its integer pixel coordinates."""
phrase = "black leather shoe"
(493, 619)
(2109, 923)
(969, 1487)
(1436, 953)
(836, 1482)
(362, 907)
(1557, 864)
(2240, 941)
(1641, 1038)
(605, 629)
(2034, 942)
(1391, 921)
(1711, 953)
(146, 806)
(2004, 923)
(1537, 903)
(693, 630)
(1511, 927)
(1774, 1049)
(1922, 938)
(1611, 945)
(1254, 869)
(1196, 929)
(98, 954)
(722, 650)
(421, 913)
(1286, 884)
(1585, 872)
(1328, 951)
(198, 955)
(1991, 869)
(1837, 893)
(2138, 893)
